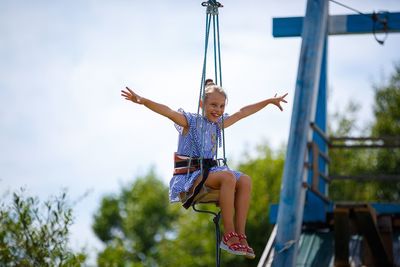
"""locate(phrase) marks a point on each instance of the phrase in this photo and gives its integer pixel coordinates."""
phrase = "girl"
(234, 186)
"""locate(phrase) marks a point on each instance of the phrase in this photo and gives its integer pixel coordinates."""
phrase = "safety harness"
(187, 165)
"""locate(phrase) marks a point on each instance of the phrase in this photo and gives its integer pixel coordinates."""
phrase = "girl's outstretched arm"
(161, 109)
(251, 109)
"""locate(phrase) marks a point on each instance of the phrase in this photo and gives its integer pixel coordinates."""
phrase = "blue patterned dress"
(191, 144)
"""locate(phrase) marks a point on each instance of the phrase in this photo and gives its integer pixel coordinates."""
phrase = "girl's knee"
(229, 178)
(244, 181)
(217, 179)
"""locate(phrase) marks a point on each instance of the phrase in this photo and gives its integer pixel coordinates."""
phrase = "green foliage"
(116, 255)
(133, 223)
(147, 213)
(387, 106)
(349, 161)
(345, 123)
(108, 219)
(35, 234)
(266, 170)
(194, 244)
(387, 123)
(369, 161)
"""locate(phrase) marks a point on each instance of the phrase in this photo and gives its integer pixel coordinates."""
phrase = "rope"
(211, 14)
(212, 20)
(375, 19)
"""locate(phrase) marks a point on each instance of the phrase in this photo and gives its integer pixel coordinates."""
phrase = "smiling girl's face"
(214, 106)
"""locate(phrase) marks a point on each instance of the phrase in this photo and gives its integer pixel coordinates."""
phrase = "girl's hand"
(277, 100)
(132, 96)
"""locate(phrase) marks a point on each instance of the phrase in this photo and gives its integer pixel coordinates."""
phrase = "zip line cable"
(348, 7)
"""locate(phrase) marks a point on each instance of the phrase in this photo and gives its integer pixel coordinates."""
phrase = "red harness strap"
(185, 164)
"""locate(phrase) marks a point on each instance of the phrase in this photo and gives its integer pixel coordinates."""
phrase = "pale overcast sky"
(63, 63)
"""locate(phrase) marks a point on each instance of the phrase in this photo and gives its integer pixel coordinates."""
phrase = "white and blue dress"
(191, 144)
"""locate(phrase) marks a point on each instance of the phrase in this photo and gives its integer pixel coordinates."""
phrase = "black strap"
(207, 165)
(185, 163)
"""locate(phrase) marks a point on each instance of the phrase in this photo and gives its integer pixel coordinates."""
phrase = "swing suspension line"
(212, 26)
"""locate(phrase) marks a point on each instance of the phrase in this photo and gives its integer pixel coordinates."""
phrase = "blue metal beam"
(392, 209)
(314, 204)
(339, 24)
(291, 205)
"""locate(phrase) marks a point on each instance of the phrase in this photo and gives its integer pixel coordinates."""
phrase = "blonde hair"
(211, 87)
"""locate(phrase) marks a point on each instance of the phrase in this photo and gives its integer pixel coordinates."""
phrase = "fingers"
(129, 95)
(282, 98)
(126, 95)
(129, 90)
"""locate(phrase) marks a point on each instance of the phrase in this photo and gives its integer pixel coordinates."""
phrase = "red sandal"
(235, 248)
(249, 251)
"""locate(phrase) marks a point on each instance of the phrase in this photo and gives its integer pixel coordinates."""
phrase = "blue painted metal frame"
(315, 207)
(310, 105)
(291, 205)
(339, 24)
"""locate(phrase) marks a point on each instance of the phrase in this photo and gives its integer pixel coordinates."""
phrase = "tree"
(349, 161)
(386, 122)
(266, 170)
(133, 222)
(35, 234)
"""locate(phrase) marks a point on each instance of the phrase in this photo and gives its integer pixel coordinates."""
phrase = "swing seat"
(206, 195)
(184, 165)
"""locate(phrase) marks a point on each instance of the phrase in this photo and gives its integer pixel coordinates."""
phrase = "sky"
(65, 126)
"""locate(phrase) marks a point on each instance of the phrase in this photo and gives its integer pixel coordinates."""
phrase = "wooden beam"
(367, 225)
(386, 230)
(342, 236)
(317, 193)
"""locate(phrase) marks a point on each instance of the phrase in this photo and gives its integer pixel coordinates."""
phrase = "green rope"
(220, 83)
(212, 20)
(212, 13)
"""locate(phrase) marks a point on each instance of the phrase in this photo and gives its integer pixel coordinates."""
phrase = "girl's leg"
(226, 183)
(242, 203)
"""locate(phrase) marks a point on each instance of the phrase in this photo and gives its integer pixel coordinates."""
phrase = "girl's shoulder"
(191, 118)
(190, 114)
